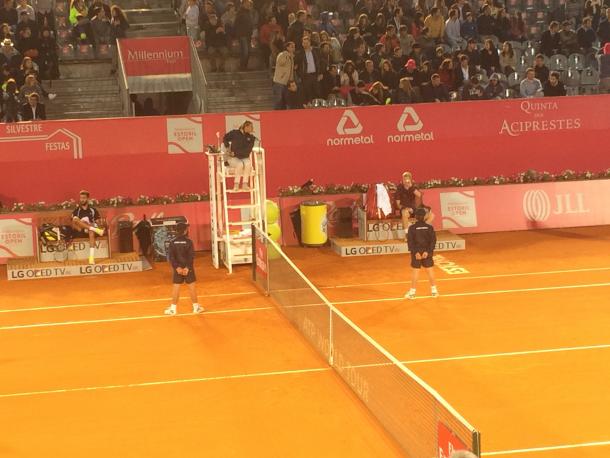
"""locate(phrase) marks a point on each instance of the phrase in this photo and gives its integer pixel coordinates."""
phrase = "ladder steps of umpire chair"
(239, 191)
(241, 223)
(235, 207)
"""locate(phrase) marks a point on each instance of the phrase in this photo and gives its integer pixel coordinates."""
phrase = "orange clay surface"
(519, 344)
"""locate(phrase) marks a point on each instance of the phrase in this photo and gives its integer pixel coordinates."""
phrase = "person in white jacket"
(284, 72)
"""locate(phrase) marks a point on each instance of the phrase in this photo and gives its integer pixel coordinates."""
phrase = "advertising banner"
(155, 56)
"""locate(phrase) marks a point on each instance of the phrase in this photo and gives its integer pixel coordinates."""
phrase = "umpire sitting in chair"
(240, 143)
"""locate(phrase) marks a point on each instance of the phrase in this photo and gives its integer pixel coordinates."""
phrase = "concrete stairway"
(239, 91)
(150, 18)
(86, 90)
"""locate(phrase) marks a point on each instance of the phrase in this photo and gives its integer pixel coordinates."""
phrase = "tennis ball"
(83, 36)
(273, 212)
(274, 232)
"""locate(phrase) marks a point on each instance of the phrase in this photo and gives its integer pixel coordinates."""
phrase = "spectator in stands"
(553, 87)
(453, 29)
(351, 43)
(30, 86)
(349, 77)
(426, 42)
(573, 9)
(464, 71)
(25, 21)
(486, 23)
(28, 67)
(540, 69)
(98, 4)
(101, 28)
(81, 32)
(390, 40)
(568, 40)
(190, 16)
(468, 29)
(370, 73)
(118, 30)
(472, 89)
(149, 108)
(447, 74)
(435, 91)
(406, 40)
(6, 32)
(326, 58)
(379, 27)
(10, 102)
(326, 24)
(502, 25)
(331, 83)
(438, 58)
(398, 18)
(409, 71)
(378, 92)
(490, 60)
(44, 13)
(297, 29)
(33, 110)
(603, 31)
(474, 57)
(508, 58)
(28, 44)
(268, 32)
(549, 41)
(389, 76)
(517, 27)
(494, 90)
(424, 74)
(294, 97)
(23, 7)
(216, 43)
(586, 36)
(335, 47)
(405, 93)
(307, 66)
(530, 86)
(244, 26)
(593, 10)
(283, 74)
(49, 62)
(77, 8)
(228, 19)
(604, 70)
(398, 60)
(8, 14)
(9, 55)
(435, 24)
(361, 97)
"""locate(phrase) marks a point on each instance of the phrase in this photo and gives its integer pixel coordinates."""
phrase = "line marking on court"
(480, 293)
(129, 318)
(546, 449)
(476, 277)
(166, 382)
(510, 353)
(134, 301)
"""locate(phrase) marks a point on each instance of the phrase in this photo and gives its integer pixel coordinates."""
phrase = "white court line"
(166, 382)
(474, 293)
(129, 318)
(510, 353)
(473, 277)
(135, 301)
(546, 449)
(482, 293)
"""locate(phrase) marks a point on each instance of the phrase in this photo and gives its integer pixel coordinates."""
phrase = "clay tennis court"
(518, 344)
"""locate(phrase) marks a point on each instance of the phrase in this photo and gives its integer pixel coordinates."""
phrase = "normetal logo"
(536, 205)
(349, 126)
(349, 116)
(410, 122)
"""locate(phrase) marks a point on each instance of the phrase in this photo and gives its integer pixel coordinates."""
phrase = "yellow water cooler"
(314, 223)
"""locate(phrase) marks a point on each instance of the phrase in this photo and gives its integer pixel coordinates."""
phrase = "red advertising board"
(448, 442)
(156, 56)
(163, 155)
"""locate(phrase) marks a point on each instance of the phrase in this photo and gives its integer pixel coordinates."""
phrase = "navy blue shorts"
(419, 263)
(188, 278)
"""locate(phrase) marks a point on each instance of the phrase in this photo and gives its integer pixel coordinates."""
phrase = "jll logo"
(537, 205)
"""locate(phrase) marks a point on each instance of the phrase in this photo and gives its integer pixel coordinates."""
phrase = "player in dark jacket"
(86, 220)
(181, 256)
(421, 239)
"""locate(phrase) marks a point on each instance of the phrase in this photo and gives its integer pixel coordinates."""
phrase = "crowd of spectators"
(28, 54)
(396, 51)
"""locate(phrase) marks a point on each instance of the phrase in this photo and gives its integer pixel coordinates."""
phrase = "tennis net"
(419, 419)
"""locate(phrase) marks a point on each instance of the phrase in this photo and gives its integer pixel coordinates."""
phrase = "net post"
(331, 358)
(476, 443)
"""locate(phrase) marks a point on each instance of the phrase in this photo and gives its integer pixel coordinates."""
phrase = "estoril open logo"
(538, 206)
(350, 128)
(411, 126)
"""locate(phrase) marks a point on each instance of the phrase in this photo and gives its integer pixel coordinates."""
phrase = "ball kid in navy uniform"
(421, 239)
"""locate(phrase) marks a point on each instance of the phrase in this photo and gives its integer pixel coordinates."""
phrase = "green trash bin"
(314, 223)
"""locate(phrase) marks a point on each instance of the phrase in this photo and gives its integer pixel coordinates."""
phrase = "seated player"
(85, 220)
(408, 199)
(422, 241)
